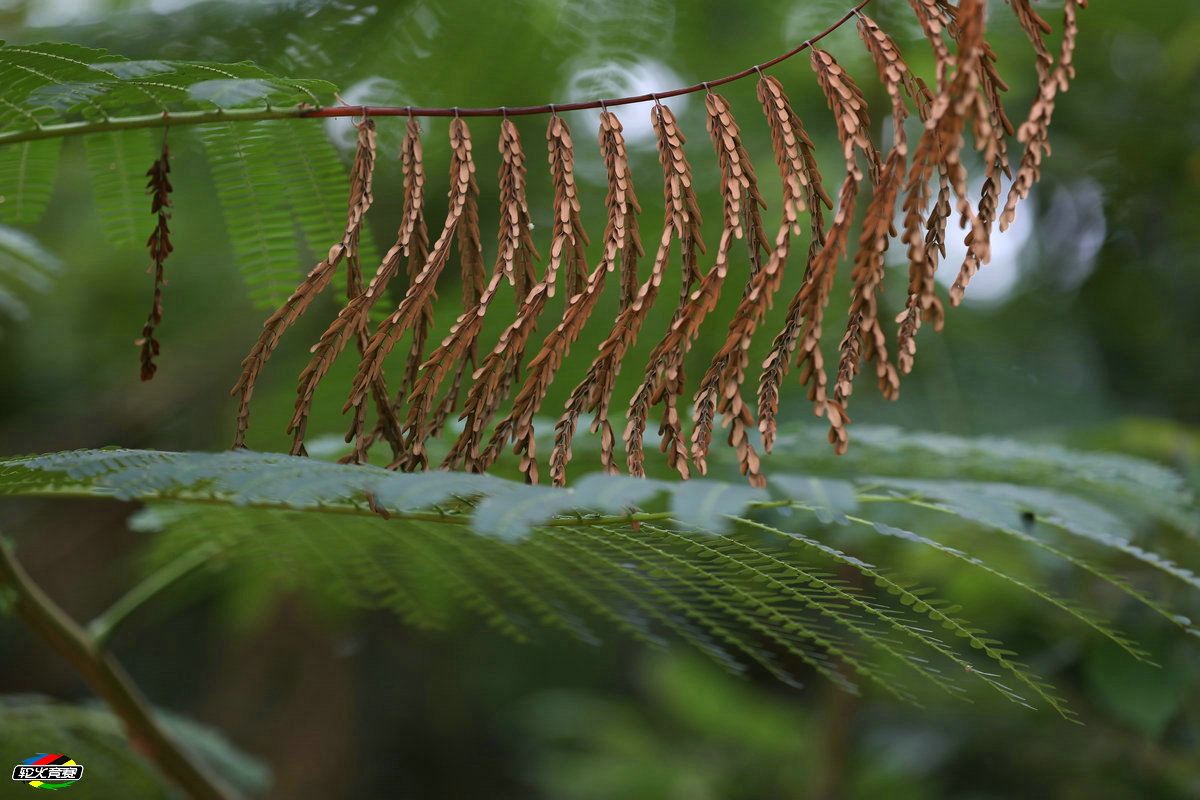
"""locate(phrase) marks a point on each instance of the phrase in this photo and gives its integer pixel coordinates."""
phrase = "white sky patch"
(48, 13)
(171, 6)
(996, 280)
(612, 79)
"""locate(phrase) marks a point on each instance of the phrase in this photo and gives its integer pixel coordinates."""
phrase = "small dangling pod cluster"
(159, 244)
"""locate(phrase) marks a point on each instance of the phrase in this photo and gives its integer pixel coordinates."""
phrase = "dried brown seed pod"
(864, 337)
(682, 216)
(720, 389)
(159, 245)
(493, 379)
(410, 310)
(939, 148)
(622, 243)
(663, 379)
(360, 199)
(622, 206)
(515, 249)
(1034, 132)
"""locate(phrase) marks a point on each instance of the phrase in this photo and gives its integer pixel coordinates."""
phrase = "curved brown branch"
(554, 108)
(109, 681)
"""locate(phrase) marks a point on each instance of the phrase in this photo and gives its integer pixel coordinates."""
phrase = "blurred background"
(1081, 331)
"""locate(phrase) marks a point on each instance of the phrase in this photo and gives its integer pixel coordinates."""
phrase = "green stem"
(163, 120)
(108, 680)
(102, 627)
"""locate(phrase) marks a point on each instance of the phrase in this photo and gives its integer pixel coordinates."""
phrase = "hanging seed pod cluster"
(911, 192)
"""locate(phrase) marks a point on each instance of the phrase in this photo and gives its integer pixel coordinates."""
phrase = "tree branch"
(108, 680)
(171, 119)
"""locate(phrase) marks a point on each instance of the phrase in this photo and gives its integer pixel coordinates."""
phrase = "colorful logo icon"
(48, 771)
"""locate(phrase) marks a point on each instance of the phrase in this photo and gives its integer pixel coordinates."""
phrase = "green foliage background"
(1102, 360)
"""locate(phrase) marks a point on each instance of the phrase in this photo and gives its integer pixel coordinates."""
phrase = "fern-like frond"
(315, 179)
(777, 589)
(944, 615)
(55, 83)
(96, 738)
(257, 208)
(277, 184)
(27, 173)
(1109, 478)
(117, 167)
(1006, 505)
(972, 502)
(25, 267)
(1047, 595)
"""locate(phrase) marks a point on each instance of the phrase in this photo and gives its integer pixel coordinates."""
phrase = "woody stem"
(107, 679)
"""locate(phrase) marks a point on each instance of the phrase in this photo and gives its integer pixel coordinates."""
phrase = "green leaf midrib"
(357, 509)
(148, 121)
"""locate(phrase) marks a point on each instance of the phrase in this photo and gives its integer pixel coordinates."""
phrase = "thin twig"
(108, 680)
(105, 625)
(168, 119)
